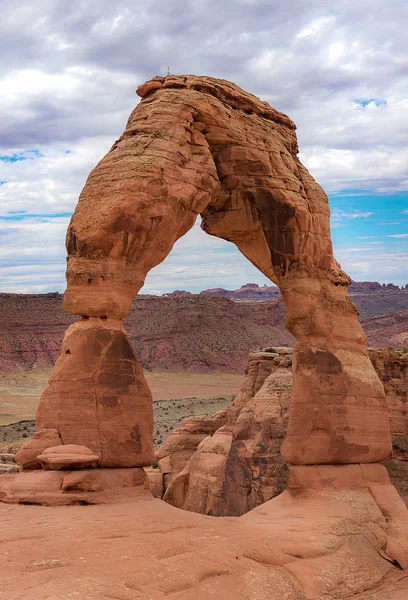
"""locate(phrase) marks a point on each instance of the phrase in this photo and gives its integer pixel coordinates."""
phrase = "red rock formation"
(27, 456)
(392, 369)
(97, 395)
(194, 332)
(197, 145)
(230, 463)
(251, 470)
(324, 541)
(68, 457)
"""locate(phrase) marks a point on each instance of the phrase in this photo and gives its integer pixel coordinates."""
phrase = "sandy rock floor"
(147, 550)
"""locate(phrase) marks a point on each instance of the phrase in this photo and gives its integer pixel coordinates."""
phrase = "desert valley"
(193, 348)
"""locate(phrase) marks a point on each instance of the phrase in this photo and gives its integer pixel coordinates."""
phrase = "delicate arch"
(197, 145)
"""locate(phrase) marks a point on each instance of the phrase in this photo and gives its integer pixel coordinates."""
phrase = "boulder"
(68, 457)
(27, 456)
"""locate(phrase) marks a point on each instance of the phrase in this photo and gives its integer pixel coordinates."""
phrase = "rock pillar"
(97, 395)
(338, 407)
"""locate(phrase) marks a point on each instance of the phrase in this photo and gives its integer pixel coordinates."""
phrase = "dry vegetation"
(176, 396)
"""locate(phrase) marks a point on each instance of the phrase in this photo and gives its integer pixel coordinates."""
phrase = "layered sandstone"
(230, 463)
(392, 368)
(198, 332)
(68, 457)
(97, 395)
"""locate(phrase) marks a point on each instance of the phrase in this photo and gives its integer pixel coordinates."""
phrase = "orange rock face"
(393, 372)
(68, 457)
(97, 396)
(27, 456)
(230, 463)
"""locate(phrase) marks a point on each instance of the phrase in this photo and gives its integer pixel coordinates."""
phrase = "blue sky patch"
(364, 102)
(370, 234)
(22, 215)
(23, 155)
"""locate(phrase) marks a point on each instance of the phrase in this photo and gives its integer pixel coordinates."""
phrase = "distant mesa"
(366, 286)
(248, 291)
(253, 291)
(177, 294)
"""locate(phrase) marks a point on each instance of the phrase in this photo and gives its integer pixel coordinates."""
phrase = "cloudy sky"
(68, 76)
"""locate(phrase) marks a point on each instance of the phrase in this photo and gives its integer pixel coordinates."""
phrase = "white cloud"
(32, 254)
(340, 217)
(314, 27)
(363, 267)
(388, 265)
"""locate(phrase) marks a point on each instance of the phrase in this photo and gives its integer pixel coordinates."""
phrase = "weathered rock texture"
(392, 368)
(229, 463)
(197, 145)
(97, 395)
(59, 487)
(27, 456)
(326, 542)
(202, 475)
(198, 332)
(68, 457)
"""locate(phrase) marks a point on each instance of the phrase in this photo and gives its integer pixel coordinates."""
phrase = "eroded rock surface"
(392, 368)
(198, 145)
(230, 478)
(324, 542)
(97, 395)
(68, 457)
(229, 463)
(27, 456)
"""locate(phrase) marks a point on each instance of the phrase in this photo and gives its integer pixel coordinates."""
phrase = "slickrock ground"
(148, 550)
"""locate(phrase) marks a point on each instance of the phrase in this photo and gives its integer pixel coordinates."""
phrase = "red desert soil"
(175, 396)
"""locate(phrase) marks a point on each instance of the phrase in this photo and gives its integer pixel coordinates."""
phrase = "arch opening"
(201, 146)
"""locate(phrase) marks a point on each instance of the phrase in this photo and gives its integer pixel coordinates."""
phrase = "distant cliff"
(195, 332)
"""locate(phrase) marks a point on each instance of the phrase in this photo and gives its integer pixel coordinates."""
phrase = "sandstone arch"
(197, 145)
